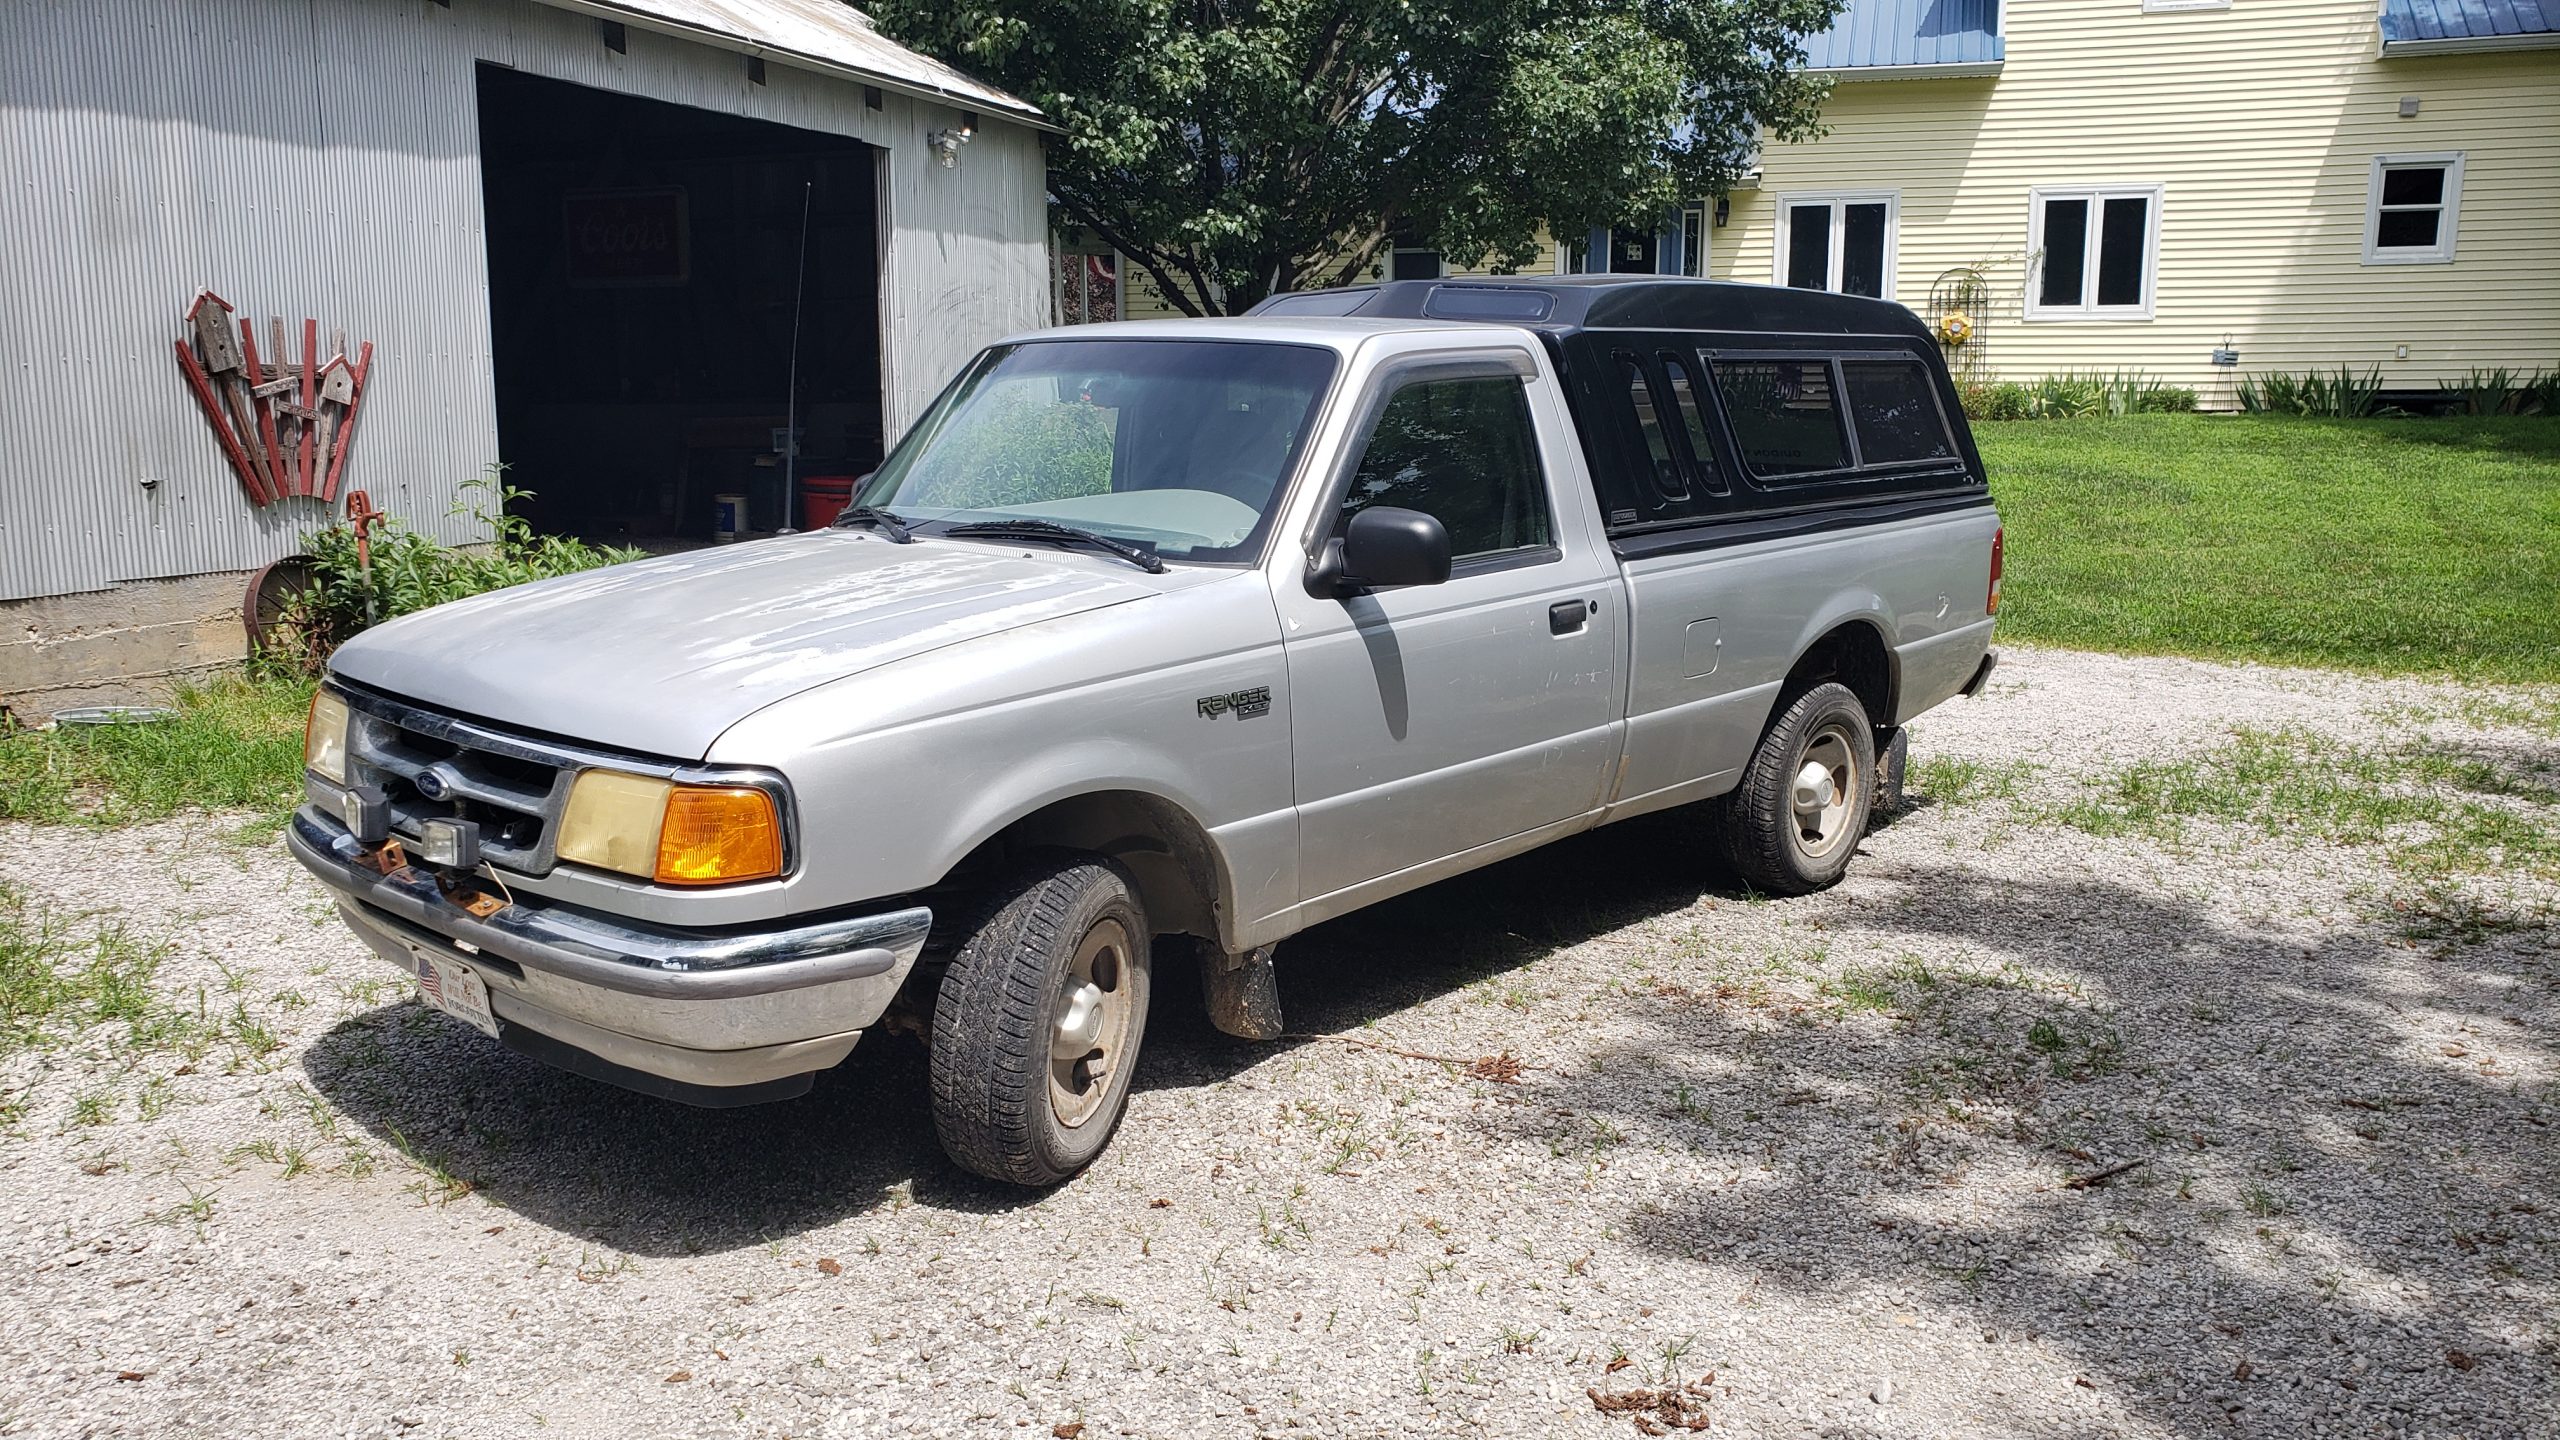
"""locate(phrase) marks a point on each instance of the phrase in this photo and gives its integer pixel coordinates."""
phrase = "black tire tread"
(988, 1060)
(1749, 819)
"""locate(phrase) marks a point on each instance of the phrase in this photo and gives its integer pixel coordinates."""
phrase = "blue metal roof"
(1881, 33)
(2430, 22)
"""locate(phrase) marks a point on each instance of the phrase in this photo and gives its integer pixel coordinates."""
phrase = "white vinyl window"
(2409, 209)
(2093, 252)
(1844, 242)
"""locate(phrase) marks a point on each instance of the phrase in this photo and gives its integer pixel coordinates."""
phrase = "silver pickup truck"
(1168, 639)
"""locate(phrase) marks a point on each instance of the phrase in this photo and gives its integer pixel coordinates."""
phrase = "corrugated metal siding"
(2407, 20)
(2264, 139)
(1908, 32)
(320, 157)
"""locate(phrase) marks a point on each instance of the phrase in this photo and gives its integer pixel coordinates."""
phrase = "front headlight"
(673, 834)
(324, 738)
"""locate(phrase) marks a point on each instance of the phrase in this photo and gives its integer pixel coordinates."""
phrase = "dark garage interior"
(643, 259)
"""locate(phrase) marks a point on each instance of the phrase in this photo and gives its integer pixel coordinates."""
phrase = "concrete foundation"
(124, 646)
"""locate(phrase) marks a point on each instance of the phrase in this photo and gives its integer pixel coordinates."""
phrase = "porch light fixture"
(1724, 210)
(946, 143)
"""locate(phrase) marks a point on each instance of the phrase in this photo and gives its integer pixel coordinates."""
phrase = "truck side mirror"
(1383, 548)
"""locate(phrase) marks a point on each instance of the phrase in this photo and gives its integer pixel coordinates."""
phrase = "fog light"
(367, 812)
(450, 844)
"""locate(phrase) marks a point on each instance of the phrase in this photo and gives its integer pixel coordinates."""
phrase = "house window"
(1414, 263)
(1678, 248)
(2094, 252)
(1838, 242)
(2409, 209)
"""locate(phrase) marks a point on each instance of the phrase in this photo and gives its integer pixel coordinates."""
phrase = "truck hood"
(660, 656)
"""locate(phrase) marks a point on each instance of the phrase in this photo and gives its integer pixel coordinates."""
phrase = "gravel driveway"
(2147, 1077)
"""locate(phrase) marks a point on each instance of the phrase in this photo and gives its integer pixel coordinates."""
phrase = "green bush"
(2502, 391)
(2344, 395)
(411, 572)
(2074, 395)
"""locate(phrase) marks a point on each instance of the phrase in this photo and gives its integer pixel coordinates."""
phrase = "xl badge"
(1245, 703)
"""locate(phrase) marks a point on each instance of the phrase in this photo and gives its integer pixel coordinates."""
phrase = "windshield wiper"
(1030, 529)
(878, 519)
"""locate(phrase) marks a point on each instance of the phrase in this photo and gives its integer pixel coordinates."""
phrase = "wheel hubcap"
(1823, 787)
(1091, 1029)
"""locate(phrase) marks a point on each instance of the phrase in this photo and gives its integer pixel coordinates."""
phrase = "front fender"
(902, 772)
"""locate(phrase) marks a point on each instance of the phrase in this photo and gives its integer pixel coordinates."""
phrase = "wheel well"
(1164, 850)
(1855, 655)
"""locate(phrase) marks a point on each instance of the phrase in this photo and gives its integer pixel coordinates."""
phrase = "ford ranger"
(1168, 638)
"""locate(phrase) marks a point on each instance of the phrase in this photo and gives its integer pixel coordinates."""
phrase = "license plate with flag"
(457, 990)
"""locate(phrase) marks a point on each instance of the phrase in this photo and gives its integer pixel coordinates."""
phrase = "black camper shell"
(1713, 413)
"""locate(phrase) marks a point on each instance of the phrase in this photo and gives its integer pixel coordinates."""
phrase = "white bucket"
(728, 517)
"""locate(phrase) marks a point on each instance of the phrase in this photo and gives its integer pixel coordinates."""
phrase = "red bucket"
(823, 498)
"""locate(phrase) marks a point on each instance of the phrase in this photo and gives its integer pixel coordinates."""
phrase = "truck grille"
(432, 766)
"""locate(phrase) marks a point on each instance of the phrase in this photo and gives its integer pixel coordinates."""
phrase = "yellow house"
(2194, 189)
(2191, 188)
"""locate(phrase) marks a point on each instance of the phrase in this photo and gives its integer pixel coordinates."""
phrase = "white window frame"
(2441, 252)
(1839, 201)
(2090, 309)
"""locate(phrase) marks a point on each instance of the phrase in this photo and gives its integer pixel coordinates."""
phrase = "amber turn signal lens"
(716, 836)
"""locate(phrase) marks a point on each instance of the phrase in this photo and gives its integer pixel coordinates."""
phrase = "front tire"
(1795, 820)
(1038, 1021)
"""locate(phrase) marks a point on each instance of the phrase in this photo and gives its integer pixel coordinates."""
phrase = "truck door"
(1432, 720)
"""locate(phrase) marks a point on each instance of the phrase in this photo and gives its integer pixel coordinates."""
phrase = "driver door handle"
(1566, 616)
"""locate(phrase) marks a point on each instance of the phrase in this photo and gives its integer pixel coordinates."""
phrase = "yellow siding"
(2262, 122)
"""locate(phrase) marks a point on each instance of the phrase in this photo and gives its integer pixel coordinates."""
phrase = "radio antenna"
(791, 402)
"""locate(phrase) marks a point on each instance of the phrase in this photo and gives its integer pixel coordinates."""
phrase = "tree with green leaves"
(1236, 149)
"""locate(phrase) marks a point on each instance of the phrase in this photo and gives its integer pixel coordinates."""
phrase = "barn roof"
(822, 35)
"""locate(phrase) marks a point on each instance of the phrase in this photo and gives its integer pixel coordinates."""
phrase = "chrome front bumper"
(670, 1011)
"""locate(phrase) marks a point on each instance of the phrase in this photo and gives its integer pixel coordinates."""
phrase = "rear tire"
(1037, 1025)
(1795, 820)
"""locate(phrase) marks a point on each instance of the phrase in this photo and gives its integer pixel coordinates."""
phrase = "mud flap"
(1241, 992)
(1893, 757)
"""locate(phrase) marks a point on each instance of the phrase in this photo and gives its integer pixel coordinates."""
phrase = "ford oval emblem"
(431, 785)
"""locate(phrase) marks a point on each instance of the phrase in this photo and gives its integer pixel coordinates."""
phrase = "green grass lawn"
(235, 743)
(2397, 545)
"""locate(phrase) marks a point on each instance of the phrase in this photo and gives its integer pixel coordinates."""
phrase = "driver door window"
(1466, 453)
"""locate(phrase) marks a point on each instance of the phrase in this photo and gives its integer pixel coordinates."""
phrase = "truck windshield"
(1182, 446)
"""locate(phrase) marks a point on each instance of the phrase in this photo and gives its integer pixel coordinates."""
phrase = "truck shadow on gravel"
(655, 1179)
(2217, 1164)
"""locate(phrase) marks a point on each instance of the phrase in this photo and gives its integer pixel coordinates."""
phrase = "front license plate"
(458, 991)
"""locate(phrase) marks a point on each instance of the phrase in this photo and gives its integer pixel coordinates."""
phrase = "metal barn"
(634, 249)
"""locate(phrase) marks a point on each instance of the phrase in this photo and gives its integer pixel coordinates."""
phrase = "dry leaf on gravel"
(830, 1266)
(1684, 1408)
(679, 1377)
(2458, 1360)
(1614, 1366)
(1502, 1069)
(1068, 1431)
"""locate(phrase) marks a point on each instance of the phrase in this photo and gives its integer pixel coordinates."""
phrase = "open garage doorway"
(643, 261)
